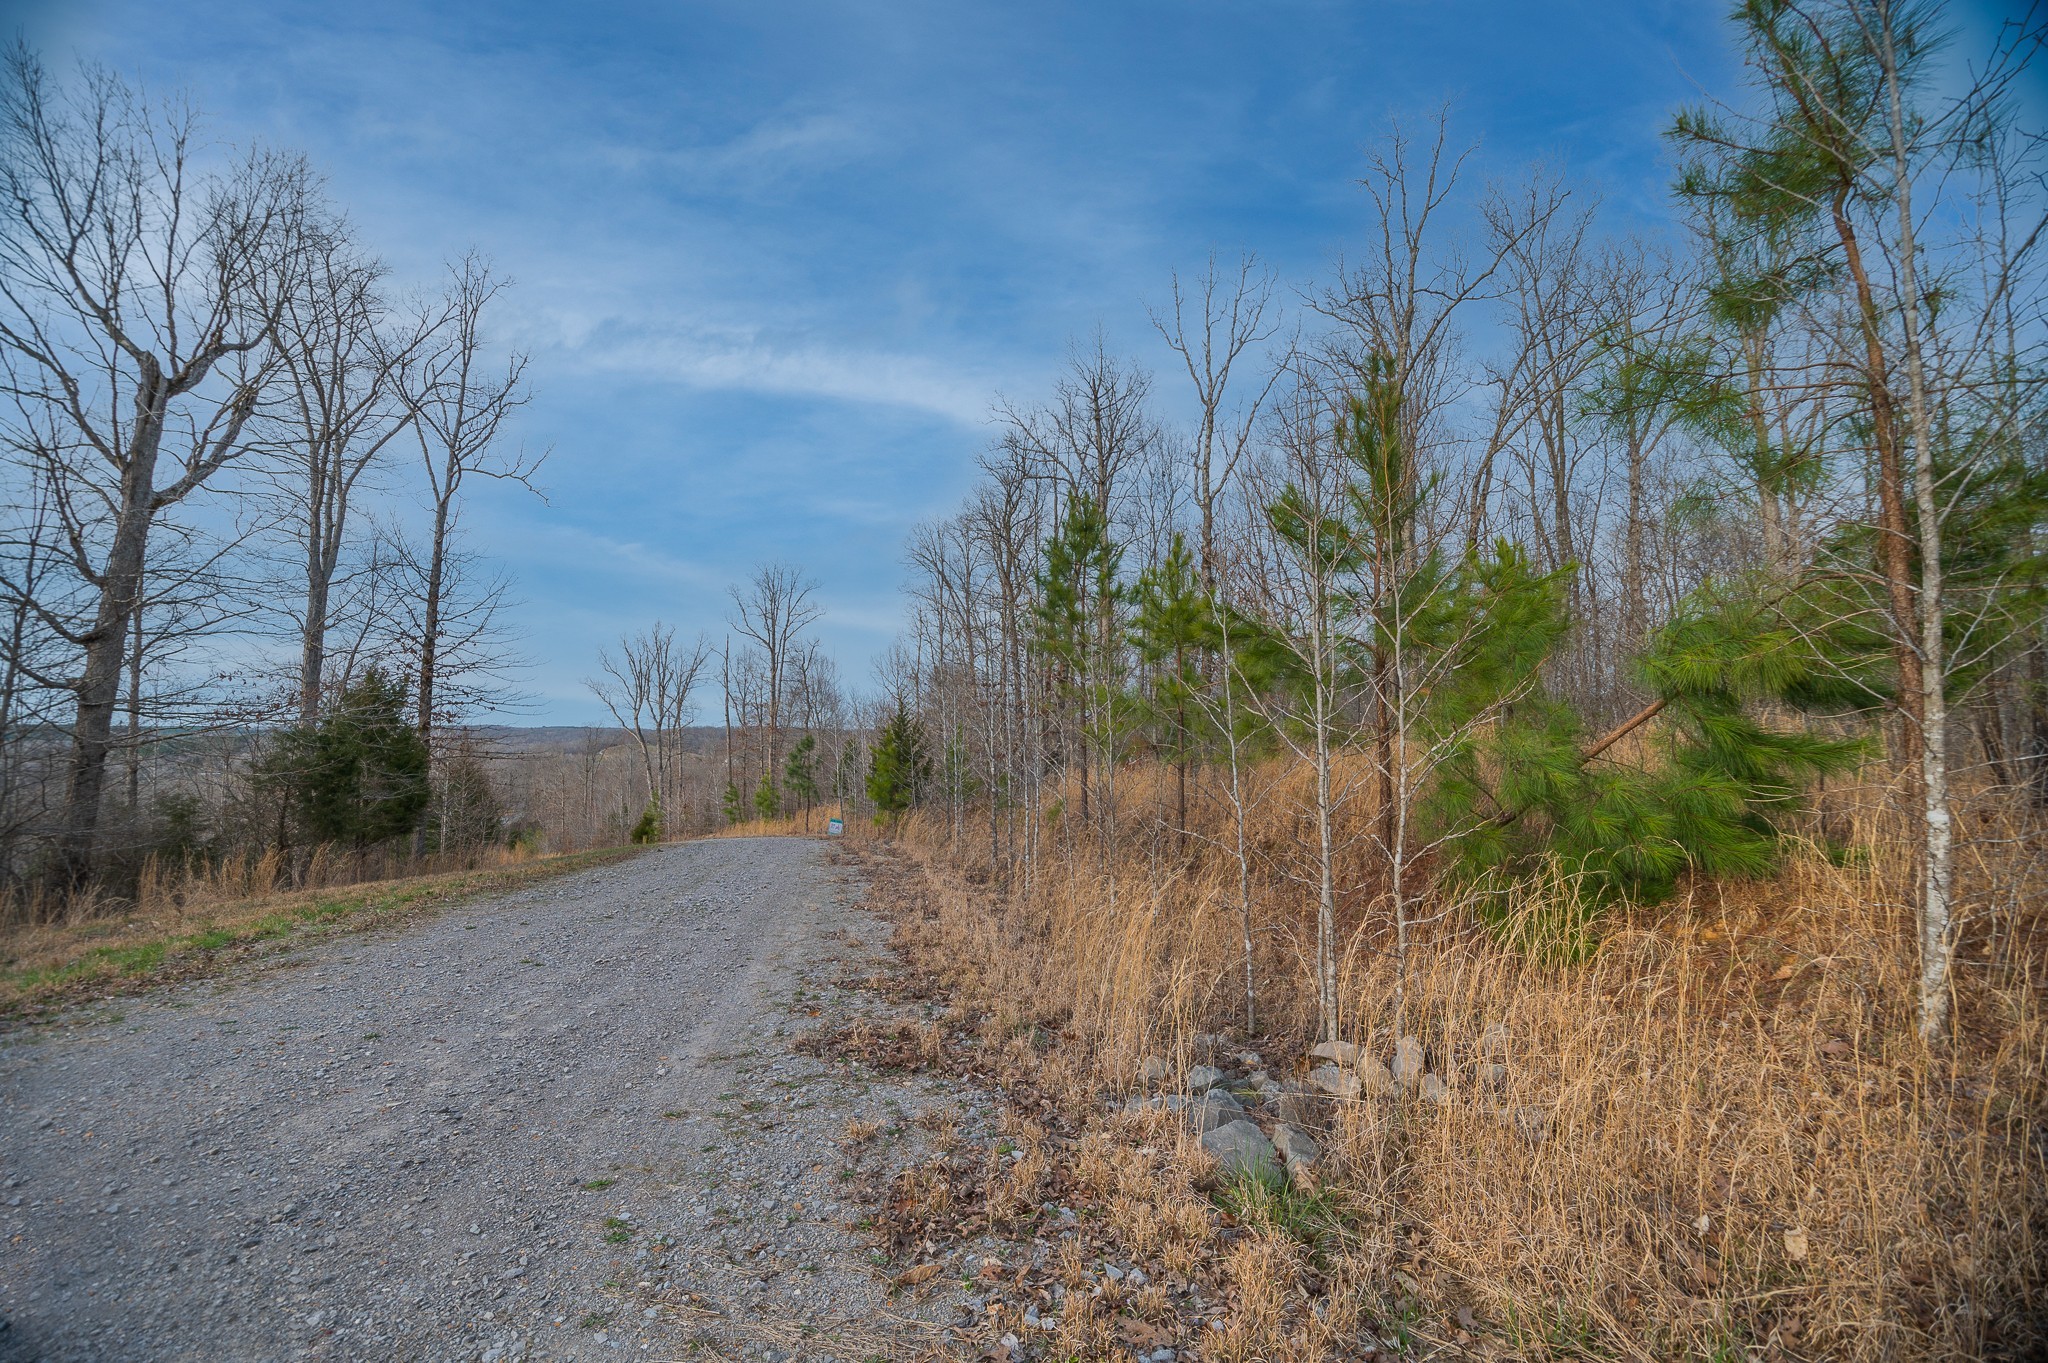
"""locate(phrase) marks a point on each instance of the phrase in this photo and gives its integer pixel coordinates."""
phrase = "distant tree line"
(791, 740)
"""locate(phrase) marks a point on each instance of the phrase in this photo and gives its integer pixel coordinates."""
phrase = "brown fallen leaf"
(911, 1277)
(1143, 1334)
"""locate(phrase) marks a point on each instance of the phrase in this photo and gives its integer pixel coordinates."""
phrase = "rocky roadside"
(1203, 1214)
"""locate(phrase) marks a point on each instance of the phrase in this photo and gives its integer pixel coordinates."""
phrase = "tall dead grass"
(164, 887)
(1715, 1136)
(193, 921)
(811, 825)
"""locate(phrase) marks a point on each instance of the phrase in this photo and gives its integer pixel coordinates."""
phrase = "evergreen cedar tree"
(899, 768)
(1079, 590)
(799, 775)
(648, 830)
(360, 775)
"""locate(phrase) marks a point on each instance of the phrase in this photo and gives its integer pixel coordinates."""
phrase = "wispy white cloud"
(881, 619)
(774, 149)
(588, 549)
(753, 362)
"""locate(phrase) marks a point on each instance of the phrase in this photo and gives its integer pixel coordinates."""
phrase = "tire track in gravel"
(561, 1123)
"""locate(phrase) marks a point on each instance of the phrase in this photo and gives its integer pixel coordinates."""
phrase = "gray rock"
(1494, 1076)
(1152, 1071)
(1213, 1109)
(1297, 1108)
(1409, 1065)
(1338, 1083)
(1335, 1052)
(1202, 1078)
(1158, 1102)
(1435, 1089)
(1493, 1042)
(1296, 1148)
(1241, 1148)
(1375, 1078)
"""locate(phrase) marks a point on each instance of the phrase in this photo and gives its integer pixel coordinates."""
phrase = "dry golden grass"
(795, 826)
(199, 923)
(1718, 1136)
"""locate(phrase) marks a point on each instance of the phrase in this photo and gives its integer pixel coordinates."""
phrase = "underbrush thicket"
(1718, 1135)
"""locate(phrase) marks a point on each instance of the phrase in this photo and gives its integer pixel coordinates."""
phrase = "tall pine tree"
(900, 767)
(799, 777)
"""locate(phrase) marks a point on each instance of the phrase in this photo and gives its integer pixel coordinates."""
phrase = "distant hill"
(513, 740)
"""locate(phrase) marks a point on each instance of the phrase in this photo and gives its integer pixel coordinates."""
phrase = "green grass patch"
(136, 960)
(1313, 1217)
(1559, 1331)
(44, 978)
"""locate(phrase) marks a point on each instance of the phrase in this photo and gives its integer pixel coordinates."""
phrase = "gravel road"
(562, 1123)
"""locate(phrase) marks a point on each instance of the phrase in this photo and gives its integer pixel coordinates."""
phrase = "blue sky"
(776, 260)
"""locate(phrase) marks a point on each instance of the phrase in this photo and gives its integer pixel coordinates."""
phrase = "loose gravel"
(566, 1123)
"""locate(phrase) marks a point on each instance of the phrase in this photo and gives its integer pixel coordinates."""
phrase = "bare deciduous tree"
(773, 609)
(460, 400)
(647, 689)
(142, 288)
(1213, 322)
(344, 358)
